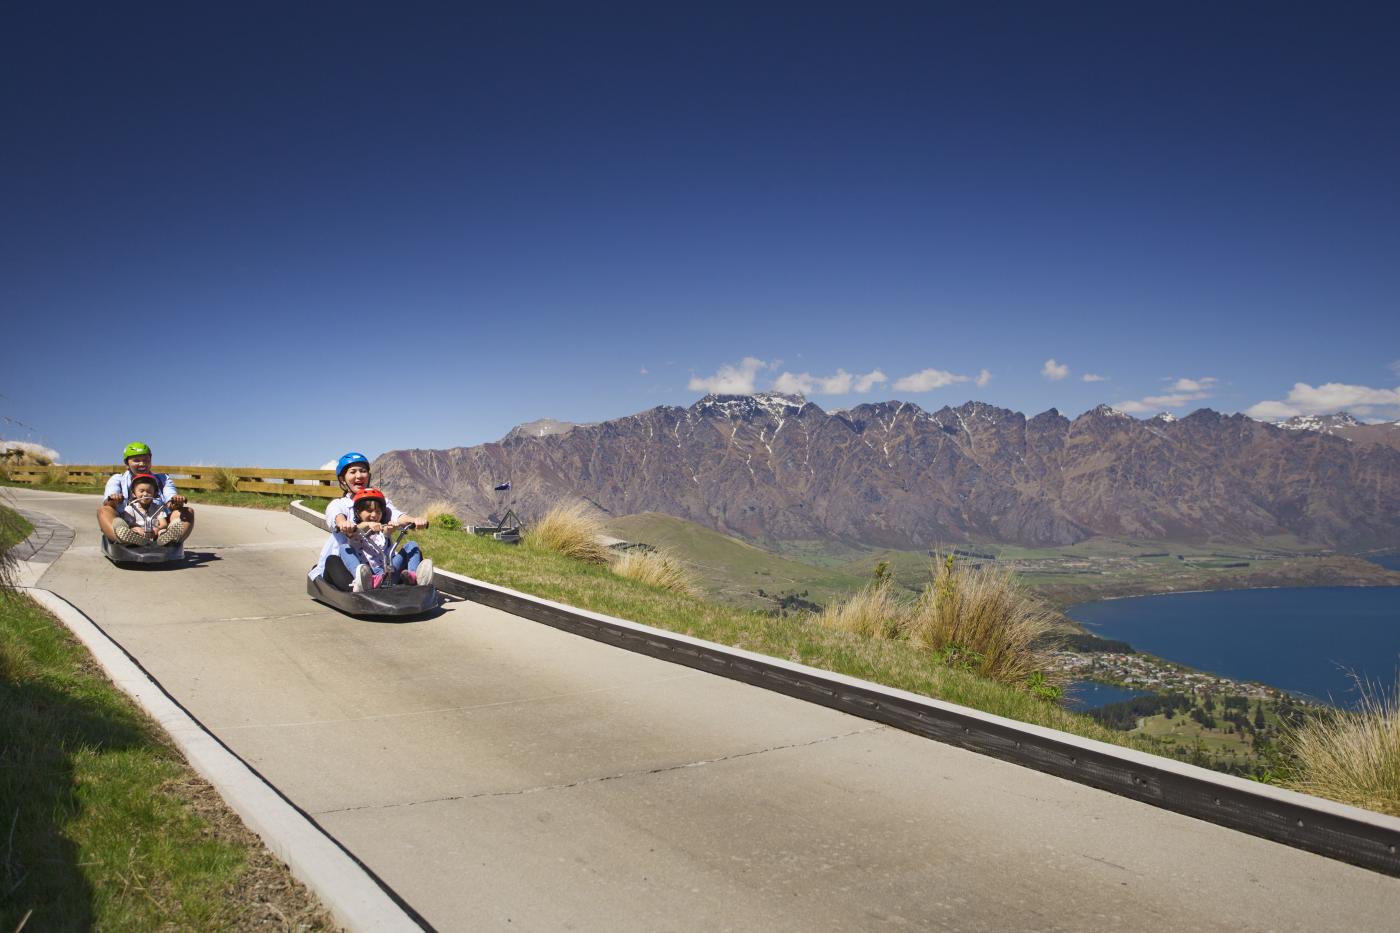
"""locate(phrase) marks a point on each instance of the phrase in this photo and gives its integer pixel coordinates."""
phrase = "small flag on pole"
(503, 487)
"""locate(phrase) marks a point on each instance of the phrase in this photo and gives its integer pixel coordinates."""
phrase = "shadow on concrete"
(399, 620)
(192, 560)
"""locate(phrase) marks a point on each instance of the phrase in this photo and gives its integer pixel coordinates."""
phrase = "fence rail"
(320, 483)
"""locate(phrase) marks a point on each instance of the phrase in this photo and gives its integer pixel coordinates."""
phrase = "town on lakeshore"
(1154, 675)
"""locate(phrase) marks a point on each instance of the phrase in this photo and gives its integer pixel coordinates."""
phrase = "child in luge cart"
(137, 459)
(367, 553)
(142, 520)
(338, 562)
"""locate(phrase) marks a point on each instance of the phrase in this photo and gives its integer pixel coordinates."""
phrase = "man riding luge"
(115, 497)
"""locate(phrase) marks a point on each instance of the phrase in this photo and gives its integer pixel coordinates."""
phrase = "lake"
(1084, 695)
(1304, 640)
(1388, 561)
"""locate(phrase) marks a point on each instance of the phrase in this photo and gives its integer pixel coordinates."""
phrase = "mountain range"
(1344, 425)
(779, 470)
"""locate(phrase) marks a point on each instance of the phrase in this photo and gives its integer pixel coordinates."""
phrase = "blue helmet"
(345, 462)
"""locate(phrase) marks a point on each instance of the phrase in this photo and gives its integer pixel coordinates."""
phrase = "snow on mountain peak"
(774, 404)
(1326, 424)
(777, 403)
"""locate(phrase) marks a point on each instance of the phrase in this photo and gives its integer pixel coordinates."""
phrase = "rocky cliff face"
(775, 468)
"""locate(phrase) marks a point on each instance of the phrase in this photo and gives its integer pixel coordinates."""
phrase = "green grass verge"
(794, 638)
(13, 528)
(94, 837)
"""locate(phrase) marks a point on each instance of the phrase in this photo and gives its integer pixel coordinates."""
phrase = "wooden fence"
(320, 483)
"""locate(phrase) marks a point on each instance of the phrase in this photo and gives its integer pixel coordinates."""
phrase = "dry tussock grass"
(25, 454)
(569, 529)
(22, 461)
(974, 618)
(655, 568)
(874, 612)
(52, 475)
(436, 510)
(1352, 756)
(227, 480)
(980, 618)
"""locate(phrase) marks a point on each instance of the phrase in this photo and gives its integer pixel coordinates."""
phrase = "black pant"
(337, 575)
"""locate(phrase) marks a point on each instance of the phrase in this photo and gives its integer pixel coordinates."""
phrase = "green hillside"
(734, 571)
(731, 570)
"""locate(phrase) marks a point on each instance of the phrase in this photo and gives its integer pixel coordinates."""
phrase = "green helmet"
(135, 449)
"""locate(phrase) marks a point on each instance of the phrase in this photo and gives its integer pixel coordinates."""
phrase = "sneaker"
(378, 579)
(128, 535)
(363, 579)
(172, 534)
(409, 577)
(424, 573)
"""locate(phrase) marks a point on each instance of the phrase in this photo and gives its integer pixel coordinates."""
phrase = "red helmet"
(369, 493)
(145, 478)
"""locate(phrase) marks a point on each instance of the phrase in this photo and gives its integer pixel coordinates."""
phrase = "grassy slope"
(732, 570)
(13, 528)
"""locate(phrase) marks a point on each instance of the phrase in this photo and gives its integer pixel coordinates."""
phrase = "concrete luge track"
(497, 773)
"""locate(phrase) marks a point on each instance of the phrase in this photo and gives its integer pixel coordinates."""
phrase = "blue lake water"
(1388, 561)
(1085, 694)
(1303, 640)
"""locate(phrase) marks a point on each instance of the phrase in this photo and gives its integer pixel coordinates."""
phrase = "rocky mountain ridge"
(777, 468)
(1345, 425)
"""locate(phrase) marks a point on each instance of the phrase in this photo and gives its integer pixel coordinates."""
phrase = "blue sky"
(264, 234)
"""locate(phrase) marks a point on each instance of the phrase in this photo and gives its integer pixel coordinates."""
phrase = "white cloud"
(870, 380)
(329, 464)
(1330, 397)
(1155, 403)
(730, 380)
(1093, 377)
(1395, 367)
(644, 371)
(1204, 384)
(1271, 411)
(794, 384)
(1183, 392)
(1054, 371)
(840, 384)
(926, 380)
(984, 377)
